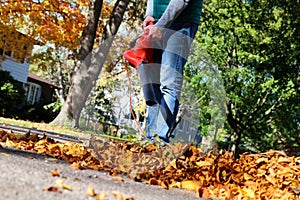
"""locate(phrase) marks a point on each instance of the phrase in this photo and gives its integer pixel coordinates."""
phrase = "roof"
(39, 79)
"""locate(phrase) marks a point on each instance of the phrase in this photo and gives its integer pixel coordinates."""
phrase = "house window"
(33, 93)
(5, 52)
(8, 53)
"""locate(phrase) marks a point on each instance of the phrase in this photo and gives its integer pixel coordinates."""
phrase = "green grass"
(62, 129)
(45, 126)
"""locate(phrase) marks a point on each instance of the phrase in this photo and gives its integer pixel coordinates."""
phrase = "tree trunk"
(60, 92)
(86, 75)
(89, 32)
(237, 128)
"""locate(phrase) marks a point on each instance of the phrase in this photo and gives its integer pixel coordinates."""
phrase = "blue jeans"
(162, 80)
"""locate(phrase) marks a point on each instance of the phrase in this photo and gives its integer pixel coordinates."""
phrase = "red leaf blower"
(141, 50)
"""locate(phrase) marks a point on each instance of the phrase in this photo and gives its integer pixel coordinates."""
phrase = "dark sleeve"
(174, 8)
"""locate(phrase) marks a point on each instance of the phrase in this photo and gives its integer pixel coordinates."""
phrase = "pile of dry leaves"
(270, 175)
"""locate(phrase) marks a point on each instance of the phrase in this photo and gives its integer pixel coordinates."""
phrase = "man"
(171, 25)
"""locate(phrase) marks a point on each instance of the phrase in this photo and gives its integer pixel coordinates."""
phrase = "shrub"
(11, 95)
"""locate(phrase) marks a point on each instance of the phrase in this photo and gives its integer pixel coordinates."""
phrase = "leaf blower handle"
(142, 50)
(150, 23)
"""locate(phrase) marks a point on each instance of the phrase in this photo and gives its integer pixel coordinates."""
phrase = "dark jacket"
(190, 14)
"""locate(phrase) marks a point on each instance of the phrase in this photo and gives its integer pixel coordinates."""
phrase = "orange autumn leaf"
(284, 160)
(62, 185)
(261, 160)
(10, 143)
(90, 191)
(55, 172)
(101, 196)
(248, 177)
(4, 154)
(154, 181)
(193, 185)
(203, 163)
(52, 189)
(122, 196)
(248, 193)
(76, 165)
(118, 178)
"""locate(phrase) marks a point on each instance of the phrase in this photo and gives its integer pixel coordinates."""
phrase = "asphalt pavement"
(27, 176)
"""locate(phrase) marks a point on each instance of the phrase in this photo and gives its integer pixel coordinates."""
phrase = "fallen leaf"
(204, 193)
(51, 160)
(118, 178)
(4, 154)
(101, 196)
(249, 193)
(261, 160)
(193, 185)
(284, 159)
(203, 163)
(296, 189)
(295, 185)
(62, 185)
(55, 172)
(154, 181)
(165, 184)
(52, 189)
(247, 177)
(90, 191)
(9, 143)
(122, 196)
(76, 166)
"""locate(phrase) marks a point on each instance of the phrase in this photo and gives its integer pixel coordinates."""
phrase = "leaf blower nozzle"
(141, 52)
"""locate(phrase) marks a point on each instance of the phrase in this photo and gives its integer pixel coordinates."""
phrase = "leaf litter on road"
(60, 183)
(269, 175)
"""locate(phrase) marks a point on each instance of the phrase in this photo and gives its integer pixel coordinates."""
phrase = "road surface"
(27, 176)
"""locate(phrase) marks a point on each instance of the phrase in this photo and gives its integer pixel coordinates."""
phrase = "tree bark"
(89, 32)
(86, 75)
(237, 128)
(60, 91)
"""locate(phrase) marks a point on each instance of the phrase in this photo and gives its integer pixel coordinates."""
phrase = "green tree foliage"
(255, 46)
(13, 104)
(11, 94)
(55, 64)
(104, 98)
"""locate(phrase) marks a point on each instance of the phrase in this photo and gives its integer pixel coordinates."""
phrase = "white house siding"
(18, 71)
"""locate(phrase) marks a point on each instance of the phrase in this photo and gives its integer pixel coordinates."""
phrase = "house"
(15, 52)
(39, 90)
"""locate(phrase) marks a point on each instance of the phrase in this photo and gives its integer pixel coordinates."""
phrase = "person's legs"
(150, 77)
(177, 41)
(149, 74)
